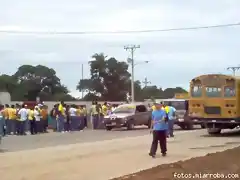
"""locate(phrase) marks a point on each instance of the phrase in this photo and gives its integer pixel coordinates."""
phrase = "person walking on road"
(159, 129)
(171, 118)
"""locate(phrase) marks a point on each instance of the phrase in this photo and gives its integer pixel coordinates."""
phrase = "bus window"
(213, 92)
(196, 91)
(229, 92)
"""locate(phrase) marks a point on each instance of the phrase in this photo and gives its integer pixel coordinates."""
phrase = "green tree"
(32, 81)
(8, 83)
(170, 92)
(109, 79)
(39, 81)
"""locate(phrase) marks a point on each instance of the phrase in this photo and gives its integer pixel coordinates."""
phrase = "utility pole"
(82, 79)
(233, 69)
(132, 49)
(146, 82)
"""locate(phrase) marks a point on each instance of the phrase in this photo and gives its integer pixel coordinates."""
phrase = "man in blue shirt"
(159, 129)
(171, 118)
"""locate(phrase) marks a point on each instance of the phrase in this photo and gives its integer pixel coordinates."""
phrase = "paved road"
(105, 159)
(16, 143)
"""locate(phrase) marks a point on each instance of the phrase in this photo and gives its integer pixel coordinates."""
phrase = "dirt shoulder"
(225, 163)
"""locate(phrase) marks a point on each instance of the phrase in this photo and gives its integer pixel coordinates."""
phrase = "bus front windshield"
(213, 91)
(196, 91)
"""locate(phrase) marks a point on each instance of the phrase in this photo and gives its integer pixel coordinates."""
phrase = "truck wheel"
(130, 125)
(214, 131)
(149, 123)
(109, 128)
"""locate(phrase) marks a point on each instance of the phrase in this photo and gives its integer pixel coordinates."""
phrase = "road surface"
(16, 143)
(106, 159)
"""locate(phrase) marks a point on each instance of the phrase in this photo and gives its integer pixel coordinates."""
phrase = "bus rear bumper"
(221, 123)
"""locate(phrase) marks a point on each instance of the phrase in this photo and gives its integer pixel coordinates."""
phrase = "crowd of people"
(22, 120)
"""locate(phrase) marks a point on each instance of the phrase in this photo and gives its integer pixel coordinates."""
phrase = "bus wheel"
(214, 131)
(203, 126)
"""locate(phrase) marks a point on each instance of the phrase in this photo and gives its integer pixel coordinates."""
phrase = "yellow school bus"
(215, 100)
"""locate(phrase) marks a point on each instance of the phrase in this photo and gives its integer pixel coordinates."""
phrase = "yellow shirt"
(104, 110)
(30, 115)
(84, 111)
(94, 110)
(12, 114)
(5, 113)
(153, 108)
(61, 109)
(167, 109)
(78, 112)
(44, 114)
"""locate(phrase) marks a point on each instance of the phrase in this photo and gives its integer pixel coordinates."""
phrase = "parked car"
(128, 115)
(182, 114)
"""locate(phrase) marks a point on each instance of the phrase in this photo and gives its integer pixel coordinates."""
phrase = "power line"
(146, 82)
(117, 32)
(234, 69)
(132, 49)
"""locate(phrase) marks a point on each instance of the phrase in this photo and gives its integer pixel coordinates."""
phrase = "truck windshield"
(125, 109)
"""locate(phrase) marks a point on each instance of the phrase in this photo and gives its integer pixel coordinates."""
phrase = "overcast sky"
(175, 57)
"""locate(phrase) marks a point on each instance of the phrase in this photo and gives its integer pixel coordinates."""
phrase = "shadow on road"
(176, 128)
(229, 133)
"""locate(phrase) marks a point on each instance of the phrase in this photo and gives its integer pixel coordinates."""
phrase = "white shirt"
(37, 115)
(23, 114)
(72, 111)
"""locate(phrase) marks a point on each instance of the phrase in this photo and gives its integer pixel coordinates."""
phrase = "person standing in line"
(171, 118)
(12, 120)
(159, 129)
(23, 113)
(37, 117)
(53, 117)
(94, 115)
(85, 116)
(81, 120)
(32, 121)
(18, 107)
(67, 119)
(61, 117)
(6, 119)
(1, 121)
(73, 117)
(44, 114)
(104, 112)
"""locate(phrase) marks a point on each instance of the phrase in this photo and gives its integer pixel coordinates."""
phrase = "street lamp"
(131, 61)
